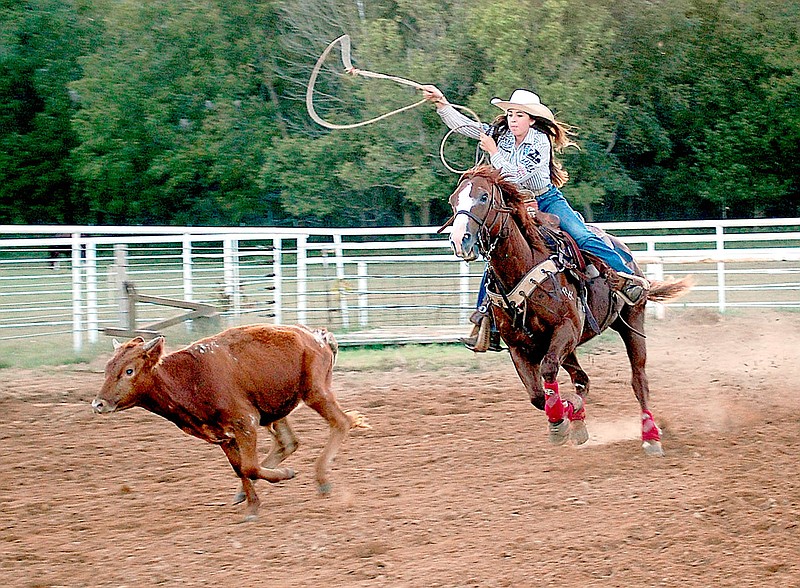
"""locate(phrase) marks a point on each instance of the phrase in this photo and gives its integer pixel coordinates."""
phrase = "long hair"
(559, 133)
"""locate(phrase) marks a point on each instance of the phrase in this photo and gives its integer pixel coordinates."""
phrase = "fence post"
(277, 271)
(186, 257)
(463, 299)
(92, 325)
(77, 307)
(363, 300)
(655, 272)
(721, 268)
(120, 276)
(302, 280)
(230, 256)
(337, 243)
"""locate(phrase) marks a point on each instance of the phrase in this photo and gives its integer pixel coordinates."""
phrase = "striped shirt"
(526, 164)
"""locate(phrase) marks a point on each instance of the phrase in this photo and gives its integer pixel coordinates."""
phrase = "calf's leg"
(284, 444)
(325, 404)
(241, 452)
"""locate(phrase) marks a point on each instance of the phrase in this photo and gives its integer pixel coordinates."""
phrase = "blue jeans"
(553, 202)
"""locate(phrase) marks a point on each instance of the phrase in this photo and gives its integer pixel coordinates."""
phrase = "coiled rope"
(344, 41)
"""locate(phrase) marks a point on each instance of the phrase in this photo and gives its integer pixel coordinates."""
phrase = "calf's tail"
(357, 420)
(332, 343)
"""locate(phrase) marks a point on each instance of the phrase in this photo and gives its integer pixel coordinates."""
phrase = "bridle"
(487, 244)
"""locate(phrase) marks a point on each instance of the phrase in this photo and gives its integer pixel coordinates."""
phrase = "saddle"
(566, 257)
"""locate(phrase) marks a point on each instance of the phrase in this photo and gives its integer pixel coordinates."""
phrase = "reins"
(344, 42)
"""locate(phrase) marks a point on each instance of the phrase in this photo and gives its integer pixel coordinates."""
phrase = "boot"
(478, 340)
(631, 288)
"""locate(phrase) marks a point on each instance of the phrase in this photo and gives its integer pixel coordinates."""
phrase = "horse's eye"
(129, 372)
(483, 198)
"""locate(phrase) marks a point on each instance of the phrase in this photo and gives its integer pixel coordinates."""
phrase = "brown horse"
(544, 304)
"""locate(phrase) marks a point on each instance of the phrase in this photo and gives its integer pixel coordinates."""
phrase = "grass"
(415, 358)
(29, 354)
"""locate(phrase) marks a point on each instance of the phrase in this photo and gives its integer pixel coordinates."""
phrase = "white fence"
(68, 280)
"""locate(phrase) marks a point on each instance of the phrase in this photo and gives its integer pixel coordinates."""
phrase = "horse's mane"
(515, 199)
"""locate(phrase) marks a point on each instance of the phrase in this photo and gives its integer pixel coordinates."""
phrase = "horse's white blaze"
(464, 202)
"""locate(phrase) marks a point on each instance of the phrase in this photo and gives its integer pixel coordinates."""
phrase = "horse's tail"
(662, 291)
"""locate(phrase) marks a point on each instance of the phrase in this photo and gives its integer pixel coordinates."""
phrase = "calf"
(222, 388)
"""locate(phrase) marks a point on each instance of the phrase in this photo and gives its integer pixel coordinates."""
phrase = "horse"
(545, 303)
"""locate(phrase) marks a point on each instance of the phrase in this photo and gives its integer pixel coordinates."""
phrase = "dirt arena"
(455, 485)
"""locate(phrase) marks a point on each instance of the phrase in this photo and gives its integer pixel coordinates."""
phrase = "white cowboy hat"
(526, 102)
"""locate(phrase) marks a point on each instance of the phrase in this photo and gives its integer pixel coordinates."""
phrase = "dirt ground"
(455, 485)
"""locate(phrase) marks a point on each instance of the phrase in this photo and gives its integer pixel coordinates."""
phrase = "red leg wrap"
(650, 431)
(553, 405)
(575, 415)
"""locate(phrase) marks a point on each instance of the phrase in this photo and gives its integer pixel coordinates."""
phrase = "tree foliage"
(192, 111)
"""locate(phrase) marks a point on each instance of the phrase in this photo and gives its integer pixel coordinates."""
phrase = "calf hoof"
(325, 489)
(558, 432)
(653, 448)
(239, 498)
(578, 432)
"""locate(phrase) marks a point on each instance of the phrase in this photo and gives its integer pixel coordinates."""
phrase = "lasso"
(344, 41)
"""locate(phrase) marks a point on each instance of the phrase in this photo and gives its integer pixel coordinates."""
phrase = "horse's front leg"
(561, 412)
(577, 416)
(528, 371)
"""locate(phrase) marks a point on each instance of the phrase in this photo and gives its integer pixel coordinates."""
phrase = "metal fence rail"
(69, 280)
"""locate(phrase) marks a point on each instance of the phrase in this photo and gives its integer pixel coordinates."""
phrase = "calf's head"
(128, 374)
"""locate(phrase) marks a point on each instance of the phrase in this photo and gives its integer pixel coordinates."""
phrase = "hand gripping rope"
(344, 41)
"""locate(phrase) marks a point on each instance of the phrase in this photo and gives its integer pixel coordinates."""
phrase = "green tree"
(175, 113)
(711, 123)
(40, 43)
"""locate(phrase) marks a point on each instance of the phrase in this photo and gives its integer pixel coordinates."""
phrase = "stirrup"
(633, 288)
(478, 340)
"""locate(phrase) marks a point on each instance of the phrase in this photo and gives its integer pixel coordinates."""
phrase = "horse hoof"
(239, 498)
(558, 432)
(325, 489)
(653, 448)
(249, 518)
(578, 432)
(287, 473)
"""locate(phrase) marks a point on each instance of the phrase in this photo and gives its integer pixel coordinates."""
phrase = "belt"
(538, 192)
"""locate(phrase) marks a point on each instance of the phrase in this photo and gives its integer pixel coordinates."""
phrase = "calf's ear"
(116, 344)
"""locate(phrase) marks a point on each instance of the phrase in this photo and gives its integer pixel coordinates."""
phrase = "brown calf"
(222, 388)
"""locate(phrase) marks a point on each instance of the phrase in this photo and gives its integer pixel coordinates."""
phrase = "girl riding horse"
(523, 145)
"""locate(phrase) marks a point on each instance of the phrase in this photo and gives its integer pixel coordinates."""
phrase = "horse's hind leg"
(577, 416)
(284, 443)
(636, 347)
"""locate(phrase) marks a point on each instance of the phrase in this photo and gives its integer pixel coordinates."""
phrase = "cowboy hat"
(526, 102)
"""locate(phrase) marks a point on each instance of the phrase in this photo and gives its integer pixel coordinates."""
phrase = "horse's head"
(478, 206)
